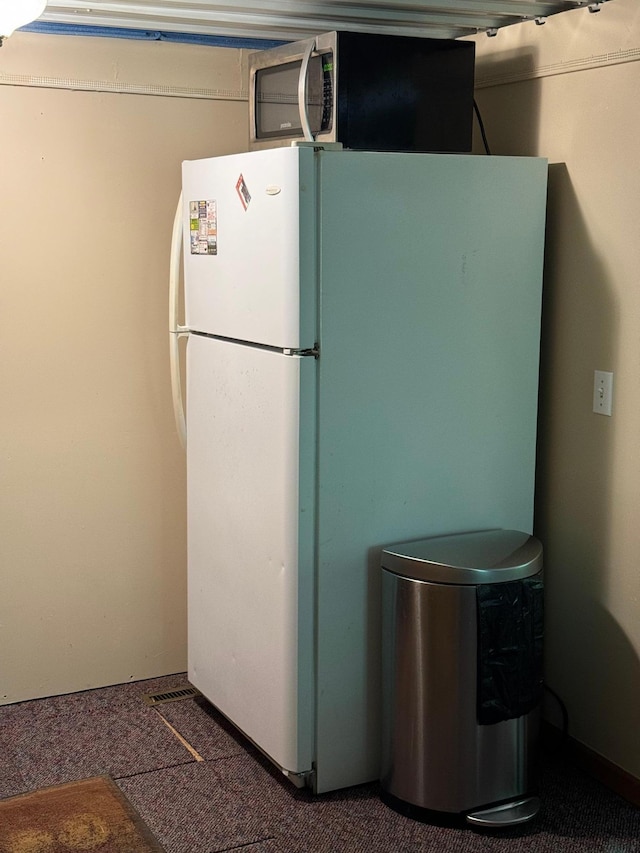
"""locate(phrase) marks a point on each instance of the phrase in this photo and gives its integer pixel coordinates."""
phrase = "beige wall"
(92, 525)
(92, 491)
(587, 123)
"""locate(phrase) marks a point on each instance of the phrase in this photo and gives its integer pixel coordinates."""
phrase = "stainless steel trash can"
(462, 676)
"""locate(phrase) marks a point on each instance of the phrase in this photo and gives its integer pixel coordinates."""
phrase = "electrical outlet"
(602, 392)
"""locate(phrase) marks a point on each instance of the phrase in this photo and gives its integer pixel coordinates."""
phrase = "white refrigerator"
(362, 369)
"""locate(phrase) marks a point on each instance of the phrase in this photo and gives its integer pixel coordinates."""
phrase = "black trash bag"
(510, 635)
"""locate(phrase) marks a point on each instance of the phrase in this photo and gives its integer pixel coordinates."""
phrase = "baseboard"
(605, 771)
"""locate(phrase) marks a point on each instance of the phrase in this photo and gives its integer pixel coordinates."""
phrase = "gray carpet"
(235, 800)
(71, 737)
(219, 740)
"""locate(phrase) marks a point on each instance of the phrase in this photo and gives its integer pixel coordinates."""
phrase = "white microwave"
(365, 91)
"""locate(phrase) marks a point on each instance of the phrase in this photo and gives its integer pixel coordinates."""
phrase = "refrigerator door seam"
(313, 351)
(309, 351)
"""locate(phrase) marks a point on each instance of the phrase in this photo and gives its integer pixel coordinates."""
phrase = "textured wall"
(92, 490)
(588, 496)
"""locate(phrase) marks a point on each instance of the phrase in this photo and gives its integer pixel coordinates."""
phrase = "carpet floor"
(222, 795)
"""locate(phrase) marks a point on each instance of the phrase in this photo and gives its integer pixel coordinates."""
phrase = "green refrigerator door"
(430, 270)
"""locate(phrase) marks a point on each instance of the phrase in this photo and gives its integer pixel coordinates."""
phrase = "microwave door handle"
(302, 91)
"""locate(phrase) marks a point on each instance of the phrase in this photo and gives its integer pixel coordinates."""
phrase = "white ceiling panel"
(292, 19)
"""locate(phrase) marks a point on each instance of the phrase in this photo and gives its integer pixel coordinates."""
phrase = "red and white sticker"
(243, 192)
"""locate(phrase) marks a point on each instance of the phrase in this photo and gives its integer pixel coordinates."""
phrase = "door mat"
(90, 815)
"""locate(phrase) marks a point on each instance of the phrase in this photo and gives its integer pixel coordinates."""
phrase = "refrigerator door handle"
(175, 330)
(302, 91)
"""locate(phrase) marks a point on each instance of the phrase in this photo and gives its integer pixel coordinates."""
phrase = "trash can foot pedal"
(507, 814)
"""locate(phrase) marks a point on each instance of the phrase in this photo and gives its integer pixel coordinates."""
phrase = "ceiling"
(293, 19)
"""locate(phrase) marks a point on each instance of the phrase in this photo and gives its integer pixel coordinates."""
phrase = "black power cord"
(481, 125)
(563, 711)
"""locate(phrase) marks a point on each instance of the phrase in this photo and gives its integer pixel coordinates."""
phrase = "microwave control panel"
(327, 91)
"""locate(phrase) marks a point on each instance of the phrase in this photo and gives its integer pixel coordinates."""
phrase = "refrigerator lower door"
(250, 463)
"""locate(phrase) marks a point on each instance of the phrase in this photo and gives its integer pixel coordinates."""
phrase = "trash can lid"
(486, 556)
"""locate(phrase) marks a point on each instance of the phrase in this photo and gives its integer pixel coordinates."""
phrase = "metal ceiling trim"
(291, 19)
(278, 30)
(146, 34)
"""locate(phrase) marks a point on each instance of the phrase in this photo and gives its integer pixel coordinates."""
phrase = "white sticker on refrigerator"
(203, 227)
(243, 192)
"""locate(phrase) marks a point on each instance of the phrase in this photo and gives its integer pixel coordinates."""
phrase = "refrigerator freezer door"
(250, 465)
(249, 247)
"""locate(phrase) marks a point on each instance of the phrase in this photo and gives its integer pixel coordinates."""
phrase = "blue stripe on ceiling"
(148, 35)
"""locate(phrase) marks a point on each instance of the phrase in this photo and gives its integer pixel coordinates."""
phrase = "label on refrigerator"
(243, 192)
(203, 227)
